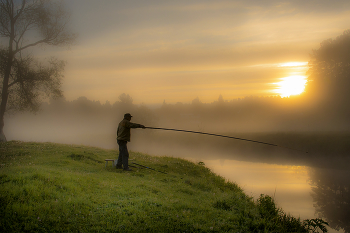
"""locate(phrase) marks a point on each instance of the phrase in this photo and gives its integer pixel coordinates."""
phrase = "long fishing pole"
(224, 136)
(149, 168)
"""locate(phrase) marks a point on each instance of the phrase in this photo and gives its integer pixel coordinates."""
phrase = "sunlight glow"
(293, 64)
(292, 85)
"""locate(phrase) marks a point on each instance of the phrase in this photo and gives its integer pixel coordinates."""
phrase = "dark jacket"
(123, 132)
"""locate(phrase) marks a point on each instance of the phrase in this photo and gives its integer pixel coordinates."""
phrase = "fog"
(287, 122)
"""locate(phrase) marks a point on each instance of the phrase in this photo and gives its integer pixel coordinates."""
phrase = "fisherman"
(123, 137)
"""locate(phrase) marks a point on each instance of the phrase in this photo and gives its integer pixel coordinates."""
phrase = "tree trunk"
(5, 92)
(2, 135)
(3, 104)
(5, 84)
(4, 98)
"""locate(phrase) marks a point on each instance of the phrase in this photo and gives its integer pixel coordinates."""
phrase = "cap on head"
(127, 115)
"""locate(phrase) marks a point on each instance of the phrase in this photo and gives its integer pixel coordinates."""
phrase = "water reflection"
(291, 187)
(331, 195)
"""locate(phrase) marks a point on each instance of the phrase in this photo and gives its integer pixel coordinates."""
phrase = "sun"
(292, 85)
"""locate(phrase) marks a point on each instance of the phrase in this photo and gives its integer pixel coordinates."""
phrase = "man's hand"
(142, 126)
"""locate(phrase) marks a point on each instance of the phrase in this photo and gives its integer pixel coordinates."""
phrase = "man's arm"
(134, 125)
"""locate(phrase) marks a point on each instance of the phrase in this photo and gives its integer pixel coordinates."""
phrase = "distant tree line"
(244, 114)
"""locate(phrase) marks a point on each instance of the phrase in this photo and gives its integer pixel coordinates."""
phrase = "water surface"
(298, 190)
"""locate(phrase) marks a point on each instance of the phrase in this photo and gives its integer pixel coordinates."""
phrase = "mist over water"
(288, 123)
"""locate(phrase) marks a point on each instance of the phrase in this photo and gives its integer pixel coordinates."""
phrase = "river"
(293, 188)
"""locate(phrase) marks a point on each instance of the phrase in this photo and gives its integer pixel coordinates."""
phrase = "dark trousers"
(123, 158)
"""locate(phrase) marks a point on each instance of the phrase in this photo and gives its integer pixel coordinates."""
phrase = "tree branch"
(30, 45)
(24, 30)
(13, 83)
(4, 19)
(20, 11)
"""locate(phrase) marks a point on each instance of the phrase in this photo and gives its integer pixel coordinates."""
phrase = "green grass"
(48, 187)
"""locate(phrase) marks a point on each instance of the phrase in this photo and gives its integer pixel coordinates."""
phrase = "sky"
(176, 51)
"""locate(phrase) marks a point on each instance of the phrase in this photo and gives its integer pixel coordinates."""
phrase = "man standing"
(123, 137)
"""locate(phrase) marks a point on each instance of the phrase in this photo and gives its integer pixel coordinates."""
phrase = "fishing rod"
(224, 136)
(149, 168)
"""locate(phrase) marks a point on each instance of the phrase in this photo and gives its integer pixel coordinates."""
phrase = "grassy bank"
(48, 187)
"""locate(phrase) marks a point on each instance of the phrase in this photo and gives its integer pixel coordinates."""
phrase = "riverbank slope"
(67, 188)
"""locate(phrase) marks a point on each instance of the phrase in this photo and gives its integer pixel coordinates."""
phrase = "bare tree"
(25, 24)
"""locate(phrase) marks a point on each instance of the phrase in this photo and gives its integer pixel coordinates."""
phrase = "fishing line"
(224, 136)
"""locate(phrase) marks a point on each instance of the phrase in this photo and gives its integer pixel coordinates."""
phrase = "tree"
(25, 24)
(125, 99)
(196, 102)
(329, 73)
